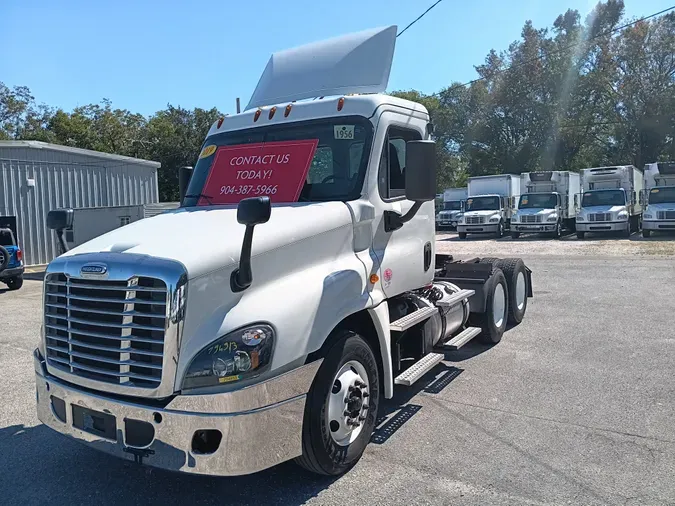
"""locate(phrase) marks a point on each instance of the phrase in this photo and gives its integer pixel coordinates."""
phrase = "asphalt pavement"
(574, 406)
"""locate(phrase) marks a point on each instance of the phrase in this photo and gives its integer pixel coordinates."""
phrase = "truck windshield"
(454, 205)
(336, 171)
(538, 201)
(482, 204)
(604, 198)
(662, 195)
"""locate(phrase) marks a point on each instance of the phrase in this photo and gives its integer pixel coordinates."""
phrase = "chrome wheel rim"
(498, 305)
(348, 403)
(520, 290)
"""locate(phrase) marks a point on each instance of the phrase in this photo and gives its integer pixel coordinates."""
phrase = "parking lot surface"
(574, 406)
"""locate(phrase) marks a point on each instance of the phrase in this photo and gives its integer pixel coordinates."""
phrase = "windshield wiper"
(199, 196)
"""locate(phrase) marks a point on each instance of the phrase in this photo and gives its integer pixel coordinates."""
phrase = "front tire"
(515, 235)
(493, 321)
(557, 234)
(15, 283)
(462, 235)
(646, 233)
(581, 235)
(500, 230)
(341, 407)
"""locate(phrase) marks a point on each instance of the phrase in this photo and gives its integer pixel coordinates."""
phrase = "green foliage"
(573, 96)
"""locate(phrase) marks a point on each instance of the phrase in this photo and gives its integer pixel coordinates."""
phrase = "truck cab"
(659, 212)
(548, 205)
(453, 206)
(491, 203)
(310, 288)
(611, 200)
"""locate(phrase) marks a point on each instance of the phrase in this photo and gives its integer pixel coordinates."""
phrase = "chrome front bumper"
(483, 228)
(658, 224)
(602, 226)
(538, 227)
(260, 425)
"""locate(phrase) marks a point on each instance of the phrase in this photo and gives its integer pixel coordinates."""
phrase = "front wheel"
(646, 233)
(581, 235)
(341, 407)
(462, 235)
(558, 231)
(15, 283)
(500, 230)
(515, 235)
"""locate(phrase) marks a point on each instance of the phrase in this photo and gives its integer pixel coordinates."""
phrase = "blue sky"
(144, 54)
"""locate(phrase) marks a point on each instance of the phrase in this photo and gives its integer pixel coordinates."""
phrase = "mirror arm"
(394, 221)
(242, 276)
(62, 242)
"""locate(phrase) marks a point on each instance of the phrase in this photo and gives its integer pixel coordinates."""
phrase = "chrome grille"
(475, 220)
(111, 331)
(665, 215)
(600, 217)
(530, 218)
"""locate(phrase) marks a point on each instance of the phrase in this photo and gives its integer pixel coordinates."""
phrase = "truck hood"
(534, 210)
(448, 214)
(603, 209)
(481, 213)
(204, 239)
(666, 206)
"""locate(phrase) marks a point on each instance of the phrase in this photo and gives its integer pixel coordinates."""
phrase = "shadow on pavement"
(40, 466)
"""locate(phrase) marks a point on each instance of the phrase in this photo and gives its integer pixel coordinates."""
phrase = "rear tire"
(646, 233)
(15, 283)
(4, 258)
(462, 235)
(493, 321)
(581, 235)
(327, 444)
(516, 282)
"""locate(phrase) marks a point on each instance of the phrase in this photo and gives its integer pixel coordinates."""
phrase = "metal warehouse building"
(36, 177)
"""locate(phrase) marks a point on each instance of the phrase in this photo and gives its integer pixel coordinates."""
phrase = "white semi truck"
(296, 286)
(453, 204)
(659, 212)
(491, 203)
(548, 203)
(611, 200)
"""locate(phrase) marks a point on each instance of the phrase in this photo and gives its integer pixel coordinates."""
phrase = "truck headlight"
(244, 353)
(494, 219)
(623, 215)
(514, 218)
(552, 217)
(580, 217)
(648, 216)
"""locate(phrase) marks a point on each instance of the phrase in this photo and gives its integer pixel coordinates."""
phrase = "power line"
(418, 18)
(540, 57)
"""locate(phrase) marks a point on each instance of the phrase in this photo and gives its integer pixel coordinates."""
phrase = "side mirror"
(250, 212)
(60, 219)
(420, 170)
(254, 211)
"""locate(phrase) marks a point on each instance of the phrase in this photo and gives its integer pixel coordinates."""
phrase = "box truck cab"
(490, 205)
(547, 204)
(659, 212)
(310, 287)
(453, 204)
(611, 200)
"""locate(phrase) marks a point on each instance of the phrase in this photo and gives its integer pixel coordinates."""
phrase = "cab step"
(412, 319)
(418, 369)
(450, 299)
(460, 339)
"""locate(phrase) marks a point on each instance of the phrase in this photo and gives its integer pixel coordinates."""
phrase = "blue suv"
(11, 264)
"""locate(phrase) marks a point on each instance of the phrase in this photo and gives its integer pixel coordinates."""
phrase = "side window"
(391, 177)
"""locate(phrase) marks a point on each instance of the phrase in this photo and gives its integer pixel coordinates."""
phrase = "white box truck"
(453, 203)
(659, 212)
(266, 318)
(547, 203)
(611, 200)
(490, 205)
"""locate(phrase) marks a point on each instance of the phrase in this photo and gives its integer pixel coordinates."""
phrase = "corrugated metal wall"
(64, 179)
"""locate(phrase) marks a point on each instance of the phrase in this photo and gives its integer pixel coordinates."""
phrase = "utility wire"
(418, 18)
(607, 32)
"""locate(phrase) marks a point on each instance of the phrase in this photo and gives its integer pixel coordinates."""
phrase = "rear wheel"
(581, 235)
(462, 235)
(341, 407)
(4, 258)
(15, 283)
(646, 233)
(493, 321)
(516, 282)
